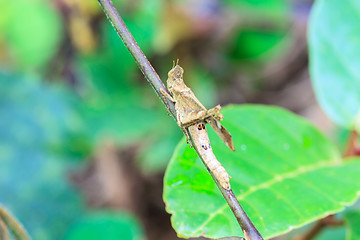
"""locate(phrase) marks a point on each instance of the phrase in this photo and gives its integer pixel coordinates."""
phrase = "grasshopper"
(191, 115)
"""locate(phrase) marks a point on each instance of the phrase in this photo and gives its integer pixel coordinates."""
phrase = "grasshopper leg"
(168, 96)
(187, 136)
(182, 128)
(195, 117)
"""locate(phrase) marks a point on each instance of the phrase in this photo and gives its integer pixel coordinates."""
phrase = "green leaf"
(352, 219)
(285, 174)
(106, 225)
(334, 43)
(33, 31)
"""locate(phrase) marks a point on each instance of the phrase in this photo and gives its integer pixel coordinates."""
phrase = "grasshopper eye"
(178, 71)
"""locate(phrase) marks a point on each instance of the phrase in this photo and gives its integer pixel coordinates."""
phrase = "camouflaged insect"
(191, 115)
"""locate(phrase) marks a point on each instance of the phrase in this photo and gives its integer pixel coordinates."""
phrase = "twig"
(250, 232)
(13, 225)
(319, 226)
(4, 234)
(352, 146)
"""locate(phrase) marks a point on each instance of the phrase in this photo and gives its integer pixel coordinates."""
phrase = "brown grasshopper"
(192, 115)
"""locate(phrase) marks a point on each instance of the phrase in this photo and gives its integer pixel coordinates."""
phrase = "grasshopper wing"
(189, 98)
(221, 132)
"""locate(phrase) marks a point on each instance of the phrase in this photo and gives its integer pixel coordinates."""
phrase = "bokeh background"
(84, 140)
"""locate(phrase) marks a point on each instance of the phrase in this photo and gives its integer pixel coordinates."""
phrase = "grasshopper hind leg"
(195, 117)
(187, 136)
(184, 129)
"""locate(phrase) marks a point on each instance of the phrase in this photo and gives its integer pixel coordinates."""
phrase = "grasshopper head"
(176, 73)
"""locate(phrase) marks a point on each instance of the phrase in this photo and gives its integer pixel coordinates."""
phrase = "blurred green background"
(81, 128)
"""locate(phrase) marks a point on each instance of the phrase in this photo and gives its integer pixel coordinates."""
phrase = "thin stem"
(250, 232)
(319, 226)
(352, 147)
(4, 234)
(13, 225)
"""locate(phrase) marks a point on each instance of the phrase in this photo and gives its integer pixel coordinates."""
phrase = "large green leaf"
(105, 225)
(334, 42)
(353, 222)
(285, 174)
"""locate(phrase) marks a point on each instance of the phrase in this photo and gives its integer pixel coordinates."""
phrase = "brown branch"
(250, 232)
(319, 226)
(352, 146)
(13, 225)
(4, 234)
